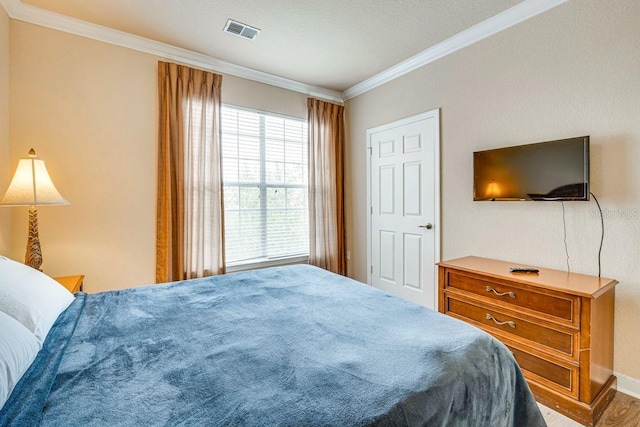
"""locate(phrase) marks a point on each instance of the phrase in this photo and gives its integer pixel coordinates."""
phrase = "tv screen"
(554, 170)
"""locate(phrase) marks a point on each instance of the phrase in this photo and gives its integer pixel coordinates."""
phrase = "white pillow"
(31, 297)
(18, 348)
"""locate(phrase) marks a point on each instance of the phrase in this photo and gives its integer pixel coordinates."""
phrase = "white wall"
(90, 109)
(5, 174)
(571, 71)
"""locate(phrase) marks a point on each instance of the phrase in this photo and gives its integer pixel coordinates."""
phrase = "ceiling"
(332, 44)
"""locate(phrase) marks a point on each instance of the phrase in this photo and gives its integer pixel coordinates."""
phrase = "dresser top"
(573, 283)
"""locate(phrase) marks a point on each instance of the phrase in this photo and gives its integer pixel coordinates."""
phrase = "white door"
(404, 198)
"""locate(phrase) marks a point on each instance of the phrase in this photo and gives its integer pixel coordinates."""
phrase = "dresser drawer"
(558, 376)
(558, 307)
(494, 319)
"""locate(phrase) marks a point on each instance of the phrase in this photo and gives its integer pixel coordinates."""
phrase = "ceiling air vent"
(240, 29)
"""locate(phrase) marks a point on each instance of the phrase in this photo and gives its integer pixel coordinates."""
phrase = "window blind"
(265, 164)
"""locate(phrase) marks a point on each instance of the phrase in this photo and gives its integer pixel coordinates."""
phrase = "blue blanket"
(292, 346)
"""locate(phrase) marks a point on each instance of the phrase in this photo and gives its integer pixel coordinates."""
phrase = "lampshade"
(31, 185)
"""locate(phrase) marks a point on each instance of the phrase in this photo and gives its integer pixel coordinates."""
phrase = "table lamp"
(31, 186)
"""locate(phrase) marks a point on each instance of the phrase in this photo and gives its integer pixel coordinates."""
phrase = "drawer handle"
(501, 294)
(509, 322)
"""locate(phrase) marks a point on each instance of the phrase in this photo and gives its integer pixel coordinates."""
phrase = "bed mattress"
(290, 346)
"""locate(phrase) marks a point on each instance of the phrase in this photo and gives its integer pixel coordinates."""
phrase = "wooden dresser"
(558, 325)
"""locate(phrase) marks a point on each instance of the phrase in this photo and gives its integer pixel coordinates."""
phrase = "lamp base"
(33, 257)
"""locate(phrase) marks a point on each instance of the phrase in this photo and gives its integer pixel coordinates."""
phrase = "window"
(264, 163)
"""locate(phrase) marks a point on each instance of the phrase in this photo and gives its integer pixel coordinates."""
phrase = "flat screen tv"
(547, 171)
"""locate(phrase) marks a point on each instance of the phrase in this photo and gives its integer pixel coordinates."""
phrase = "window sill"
(265, 263)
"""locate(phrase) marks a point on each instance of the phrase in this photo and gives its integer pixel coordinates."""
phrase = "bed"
(287, 346)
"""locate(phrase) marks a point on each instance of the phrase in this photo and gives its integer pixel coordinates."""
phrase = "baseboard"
(628, 385)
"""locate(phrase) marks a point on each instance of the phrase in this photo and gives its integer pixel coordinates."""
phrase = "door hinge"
(371, 210)
(372, 269)
(370, 151)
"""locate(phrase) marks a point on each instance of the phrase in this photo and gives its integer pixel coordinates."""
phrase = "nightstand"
(72, 283)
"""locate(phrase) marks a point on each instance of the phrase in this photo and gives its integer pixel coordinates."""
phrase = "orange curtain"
(326, 186)
(189, 226)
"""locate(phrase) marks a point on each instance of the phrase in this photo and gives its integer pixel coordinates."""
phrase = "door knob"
(428, 226)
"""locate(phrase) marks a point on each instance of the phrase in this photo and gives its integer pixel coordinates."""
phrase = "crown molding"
(8, 6)
(34, 15)
(508, 18)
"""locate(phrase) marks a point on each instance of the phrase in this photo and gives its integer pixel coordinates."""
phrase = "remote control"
(523, 270)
